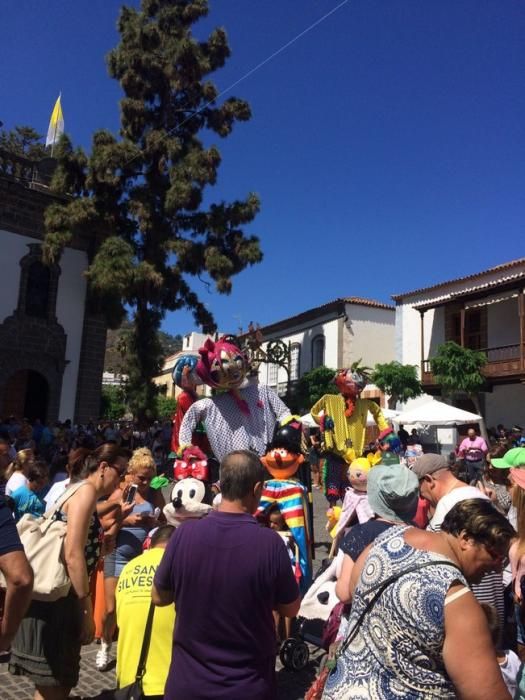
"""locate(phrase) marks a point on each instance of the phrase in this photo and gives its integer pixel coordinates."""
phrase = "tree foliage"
(457, 369)
(140, 197)
(166, 406)
(314, 384)
(399, 381)
(112, 402)
(117, 343)
(24, 142)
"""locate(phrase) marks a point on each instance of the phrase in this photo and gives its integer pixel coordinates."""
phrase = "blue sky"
(387, 144)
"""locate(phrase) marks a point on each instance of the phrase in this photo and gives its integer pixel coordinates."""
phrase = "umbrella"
(437, 413)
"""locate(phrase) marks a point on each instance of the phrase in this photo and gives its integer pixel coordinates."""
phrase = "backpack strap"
(50, 514)
(141, 668)
(381, 587)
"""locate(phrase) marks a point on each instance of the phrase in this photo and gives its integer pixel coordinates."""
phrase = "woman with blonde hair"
(17, 471)
(144, 516)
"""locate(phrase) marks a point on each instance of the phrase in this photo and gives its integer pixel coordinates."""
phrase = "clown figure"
(342, 418)
(285, 493)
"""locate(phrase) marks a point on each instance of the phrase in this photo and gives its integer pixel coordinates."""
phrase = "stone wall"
(91, 366)
(22, 210)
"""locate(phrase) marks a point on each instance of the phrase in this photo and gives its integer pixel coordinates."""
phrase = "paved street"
(94, 685)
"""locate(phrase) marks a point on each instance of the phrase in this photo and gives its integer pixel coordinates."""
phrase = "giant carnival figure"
(288, 495)
(186, 378)
(245, 415)
(242, 415)
(342, 419)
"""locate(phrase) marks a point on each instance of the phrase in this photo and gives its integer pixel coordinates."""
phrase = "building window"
(318, 351)
(37, 289)
(37, 294)
(273, 373)
(282, 388)
(475, 330)
(295, 361)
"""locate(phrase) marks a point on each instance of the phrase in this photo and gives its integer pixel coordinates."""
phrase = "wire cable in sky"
(253, 70)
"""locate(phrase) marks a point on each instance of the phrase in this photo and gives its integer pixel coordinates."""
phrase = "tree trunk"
(392, 402)
(482, 426)
(144, 363)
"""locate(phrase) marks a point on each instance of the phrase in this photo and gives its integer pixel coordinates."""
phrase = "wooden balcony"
(504, 365)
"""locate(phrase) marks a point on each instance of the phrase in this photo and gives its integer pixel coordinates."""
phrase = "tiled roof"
(367, 302)
(501, 283)
(441, 285)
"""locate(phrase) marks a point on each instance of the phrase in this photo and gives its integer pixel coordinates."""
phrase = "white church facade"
(51, 344)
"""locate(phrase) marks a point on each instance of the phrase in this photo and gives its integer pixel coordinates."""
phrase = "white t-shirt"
(509, 670)
(450, 500)
(55, 492)
(14, 482)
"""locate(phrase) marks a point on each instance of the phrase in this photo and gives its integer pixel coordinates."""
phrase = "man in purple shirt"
(226, 575)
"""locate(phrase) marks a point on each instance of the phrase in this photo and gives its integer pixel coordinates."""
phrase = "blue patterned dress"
(397, 652)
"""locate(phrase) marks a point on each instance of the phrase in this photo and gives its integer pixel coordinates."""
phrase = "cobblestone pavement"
(93, 684)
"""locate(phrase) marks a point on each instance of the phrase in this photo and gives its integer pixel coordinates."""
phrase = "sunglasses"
(120, 472)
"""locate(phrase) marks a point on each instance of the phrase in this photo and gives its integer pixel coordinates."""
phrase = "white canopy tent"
(388, 413)
(308, 421)
(436, 413)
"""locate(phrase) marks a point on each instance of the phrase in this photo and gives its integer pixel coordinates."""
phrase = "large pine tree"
(140, 196)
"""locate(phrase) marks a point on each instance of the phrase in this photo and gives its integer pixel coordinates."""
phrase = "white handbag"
(43, 540)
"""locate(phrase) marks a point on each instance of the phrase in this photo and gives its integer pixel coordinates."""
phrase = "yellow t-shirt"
(133, 600)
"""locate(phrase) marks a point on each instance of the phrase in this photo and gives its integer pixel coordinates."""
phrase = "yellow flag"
(56, 124)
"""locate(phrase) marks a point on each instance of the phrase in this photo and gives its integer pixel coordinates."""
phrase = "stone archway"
(26, 394)
(32, 345)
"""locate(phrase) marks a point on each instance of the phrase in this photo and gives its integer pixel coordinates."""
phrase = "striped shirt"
(490, 589)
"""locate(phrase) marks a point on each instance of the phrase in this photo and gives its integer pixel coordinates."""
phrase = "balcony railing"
(503, 361)
(22, 169)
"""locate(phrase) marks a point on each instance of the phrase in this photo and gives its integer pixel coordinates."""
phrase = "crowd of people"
(428, 607)
(429, 583)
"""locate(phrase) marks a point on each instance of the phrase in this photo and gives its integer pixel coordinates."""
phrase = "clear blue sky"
(387, 144)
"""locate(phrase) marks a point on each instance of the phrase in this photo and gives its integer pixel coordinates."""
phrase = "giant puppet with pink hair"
(242, 415)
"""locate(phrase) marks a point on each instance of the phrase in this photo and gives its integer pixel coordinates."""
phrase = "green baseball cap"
(512, 458)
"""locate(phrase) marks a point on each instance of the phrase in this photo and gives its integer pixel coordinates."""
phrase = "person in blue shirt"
(28, 498)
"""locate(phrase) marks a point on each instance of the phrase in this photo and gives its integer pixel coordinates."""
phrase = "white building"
(484, 311)
(51, 344)
(191, 342)
(335, 334)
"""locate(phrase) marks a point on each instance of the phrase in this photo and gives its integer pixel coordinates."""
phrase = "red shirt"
(184, 400)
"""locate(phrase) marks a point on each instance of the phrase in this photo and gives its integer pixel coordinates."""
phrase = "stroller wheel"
(294, 654)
